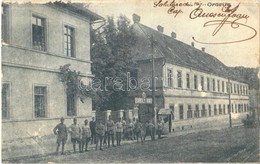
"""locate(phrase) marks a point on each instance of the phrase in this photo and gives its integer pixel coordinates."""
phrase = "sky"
(241, 53)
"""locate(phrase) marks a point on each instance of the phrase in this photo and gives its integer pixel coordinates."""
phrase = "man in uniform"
(100, 132)
(151, 128)
(110, 131)
(61, 131)
(124, 128)
(119, 130)
(92, 125)
(160, 127)
(85, 136)
(75, 131)
(138, 127)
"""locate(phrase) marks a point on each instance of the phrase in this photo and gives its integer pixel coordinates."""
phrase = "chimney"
(203, 49)
(160, 28)
(136, 18)
(173, 35)
(192, 44)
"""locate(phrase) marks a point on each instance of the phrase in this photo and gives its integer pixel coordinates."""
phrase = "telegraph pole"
(229, 102)
(153, 87)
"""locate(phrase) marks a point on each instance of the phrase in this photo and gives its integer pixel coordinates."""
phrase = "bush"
(249, 121)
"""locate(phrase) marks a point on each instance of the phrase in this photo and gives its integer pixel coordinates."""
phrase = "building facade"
(191, 83)
(37, 39)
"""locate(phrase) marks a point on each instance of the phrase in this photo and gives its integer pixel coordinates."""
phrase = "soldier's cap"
(61, 118)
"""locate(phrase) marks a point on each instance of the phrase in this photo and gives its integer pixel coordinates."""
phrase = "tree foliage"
(111, 56)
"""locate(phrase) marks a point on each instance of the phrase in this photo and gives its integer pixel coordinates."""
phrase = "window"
(202, 83)
(71, 104)
(231, 88)
(245, 107)
(5, 23)
(169, 75)
(203, 111)
(218, 86)
(5, 101)
(243, 90)
(232, 108)
(214, 85)
(179, 78)
(246, 90)
(209, 110)
(196, 112)
(172, 111)
(215, 110)
(69, 41)
(208, 84)
(40, 101)
(195, 82)
(235, 88)
(238, 89)
(227, 87)
(189, 112)
(188, 80)
(224, 109)
(223, 86)
(181, 111)
(219, 109)
(38, 33)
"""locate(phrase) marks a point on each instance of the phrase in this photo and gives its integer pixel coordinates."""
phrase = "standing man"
(75, 131)
(130, 130)
(92, 125)
(124, 128)
(86, 136)
(119, 130)
(138, 127)
(151, 128)
(100, 132)
(61, 131)
(134, 132)
(110, 131)
(160, 128)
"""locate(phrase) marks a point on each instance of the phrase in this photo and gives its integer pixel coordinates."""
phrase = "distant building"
(191, 83)
(36, 40)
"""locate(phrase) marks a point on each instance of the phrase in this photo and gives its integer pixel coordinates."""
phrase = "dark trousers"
(110, 136)
(159, 133)
(93, 137)
(118, 138)
(99, 139)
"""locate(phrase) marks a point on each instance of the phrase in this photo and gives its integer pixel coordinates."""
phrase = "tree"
(112, 58)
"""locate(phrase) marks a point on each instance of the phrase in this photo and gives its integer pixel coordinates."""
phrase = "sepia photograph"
(130, 81)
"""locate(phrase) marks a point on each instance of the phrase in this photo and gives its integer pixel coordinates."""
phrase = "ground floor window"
(203, 111)
(219, 109)
(40, 101)
(5, 101)
(224, 109)
(71, 105)
(181, 111)
(189, 112)
(209, 110)
(196, 112)
(215, 110)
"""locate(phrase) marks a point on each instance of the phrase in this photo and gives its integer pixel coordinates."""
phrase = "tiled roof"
(175, 52)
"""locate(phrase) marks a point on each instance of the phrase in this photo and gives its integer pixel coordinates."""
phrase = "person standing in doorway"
(61, 131)
(92, 125)
(75, 131)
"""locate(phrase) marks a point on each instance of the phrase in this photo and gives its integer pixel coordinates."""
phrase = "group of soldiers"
(97, 133)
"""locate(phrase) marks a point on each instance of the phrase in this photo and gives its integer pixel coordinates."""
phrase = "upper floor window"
(238, 91)
(235, 88)
(172, 111)
(208, 84)
(231, 88)
(40, 101)
(169, 75)
(227, 87)
(188, 80)
(5, 101)
(218, 86)
(195, 82)
(179, 78)
(4, 23)
(38, 33)
(214, 85)
(223, 86)
(69, 41)
(202, 83)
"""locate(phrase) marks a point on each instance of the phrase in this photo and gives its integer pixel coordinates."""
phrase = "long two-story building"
(192, 84)
(37, 39)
